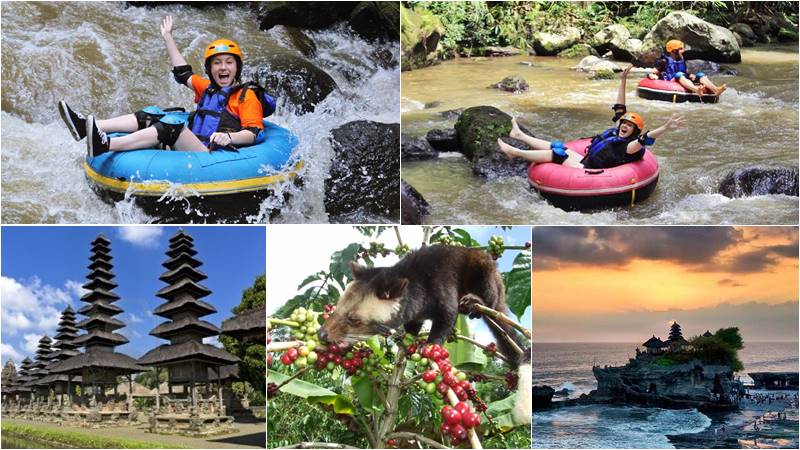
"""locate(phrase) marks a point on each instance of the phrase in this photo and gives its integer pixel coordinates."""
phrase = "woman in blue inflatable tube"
(228, 113)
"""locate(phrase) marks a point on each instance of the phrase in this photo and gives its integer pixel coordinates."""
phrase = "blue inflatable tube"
(219, 173)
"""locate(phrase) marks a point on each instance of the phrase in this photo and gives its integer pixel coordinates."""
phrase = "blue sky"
(316, 243)
(44, 267)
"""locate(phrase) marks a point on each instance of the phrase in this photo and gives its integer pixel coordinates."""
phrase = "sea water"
(569, 366)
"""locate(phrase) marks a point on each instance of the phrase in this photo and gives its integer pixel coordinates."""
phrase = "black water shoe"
(97, 142)
(76, 123)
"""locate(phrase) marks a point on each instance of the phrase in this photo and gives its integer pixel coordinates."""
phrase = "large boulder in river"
(443, 140)
(413, 206)
(365, 170)
(549, 44)
(419, 38)
(612, 35)
(749, 181)
(295, 81)
(709, 67)
(376, 20)
(703, 40)
(512, 83)
(595, 64)
(309, 15)
(478, 129)
(746, 34)
(414, 149)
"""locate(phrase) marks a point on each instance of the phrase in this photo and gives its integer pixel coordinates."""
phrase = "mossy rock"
(419, 37)
(603, 74)
(578, 51)
(478, 129)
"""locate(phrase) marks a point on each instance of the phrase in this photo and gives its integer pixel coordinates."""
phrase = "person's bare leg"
(534, 143)
(147, 138)
(687, 83)
(188, 142)
(536, 156)
(712, 87)
(121, 124)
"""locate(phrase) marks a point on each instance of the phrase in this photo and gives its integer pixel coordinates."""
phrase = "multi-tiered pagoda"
(99, 365)
(187, 359)
(16, 395)
(64, 348)
(40, 370)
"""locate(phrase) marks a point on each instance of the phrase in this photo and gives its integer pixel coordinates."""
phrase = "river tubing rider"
(613, 147)
(671, 66)
(228, 113)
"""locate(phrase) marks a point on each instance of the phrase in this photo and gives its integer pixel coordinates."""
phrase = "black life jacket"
(608, 150)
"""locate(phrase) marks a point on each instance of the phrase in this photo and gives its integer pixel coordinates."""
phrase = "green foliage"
(254, 296)
(518, 284)
(473, 25)
(731, 337)
(75, 439)
(253, 366)
(714, 350)
(292, 421)
(664, 361)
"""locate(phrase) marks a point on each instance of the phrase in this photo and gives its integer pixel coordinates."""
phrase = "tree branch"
(323, 445)
(279, 346)
(478, 344)
(474, 442)
(290, 323)
(397, 233)
(416, 437)
(392, 397)
(472, 303)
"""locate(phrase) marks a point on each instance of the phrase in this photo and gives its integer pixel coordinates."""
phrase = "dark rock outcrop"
(703, 40)
(416, 149)
(478, 129)
(746, 34)
(308, 15)
(376, 20)
(301, 41)
(542, 396)
(501, 51)
(688, 385)
(365, 170)
(749, 181)
(413, 206)
(295, 81)
(443, 140)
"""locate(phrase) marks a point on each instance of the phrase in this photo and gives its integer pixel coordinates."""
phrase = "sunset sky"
(620, 284)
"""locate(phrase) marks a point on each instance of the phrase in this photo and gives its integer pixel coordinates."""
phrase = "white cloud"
(142, 236)
(133, 318)
(30, 305)
(31, 343)
(212, 340)
(76, 287)
(9, 352)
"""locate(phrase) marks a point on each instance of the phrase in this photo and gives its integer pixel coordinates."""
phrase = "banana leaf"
(312, 392)
(464, 355)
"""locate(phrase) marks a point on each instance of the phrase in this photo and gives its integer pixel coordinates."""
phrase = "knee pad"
(678, 76)
(168, 131)
(559, 152)
(699, 75)
(148, 116)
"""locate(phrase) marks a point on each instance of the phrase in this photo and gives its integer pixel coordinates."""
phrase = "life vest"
(212, 113)
(609, 150)
(673, 66)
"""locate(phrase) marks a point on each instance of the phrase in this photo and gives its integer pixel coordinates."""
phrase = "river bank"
(248, 435)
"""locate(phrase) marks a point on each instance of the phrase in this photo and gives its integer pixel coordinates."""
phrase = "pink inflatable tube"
(577, 189)
(670, 91)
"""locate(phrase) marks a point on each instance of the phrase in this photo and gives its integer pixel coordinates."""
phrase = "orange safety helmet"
(673, 45)
(634, 119)
(220, 47)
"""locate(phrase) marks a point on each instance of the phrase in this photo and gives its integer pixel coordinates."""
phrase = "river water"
(755, 123)
(109, 59)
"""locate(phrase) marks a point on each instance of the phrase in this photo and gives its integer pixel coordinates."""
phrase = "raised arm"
(623, 80)
(175, 56)
(673, 123)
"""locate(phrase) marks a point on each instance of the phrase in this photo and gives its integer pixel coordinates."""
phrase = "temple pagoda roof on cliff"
(654, 342)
